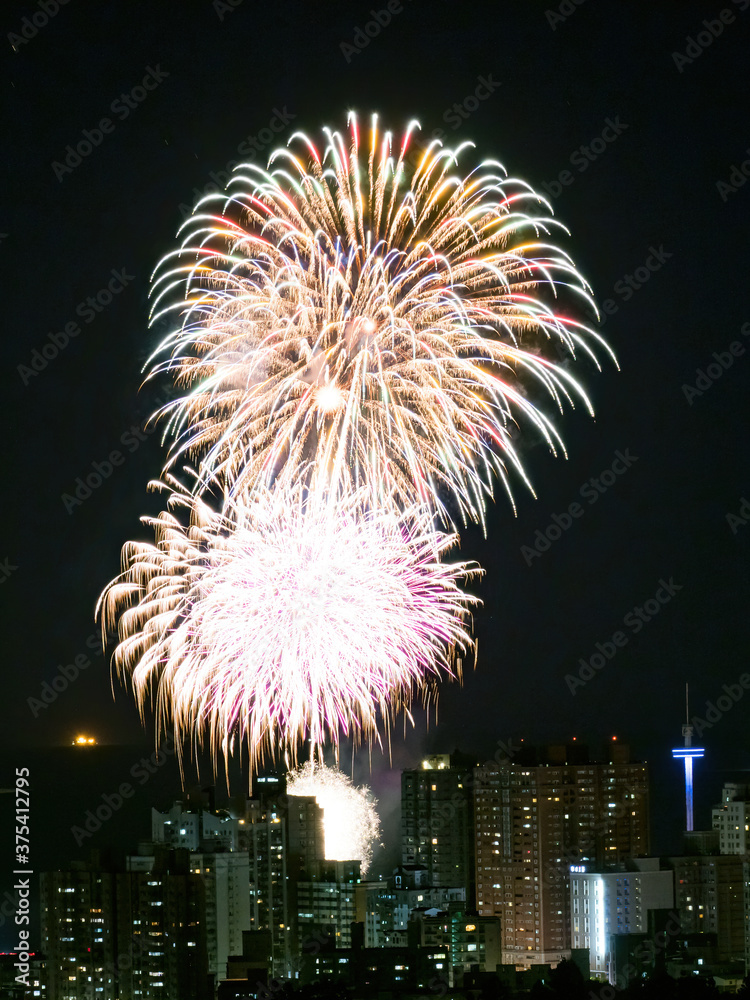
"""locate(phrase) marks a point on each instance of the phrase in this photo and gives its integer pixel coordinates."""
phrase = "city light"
(688, 753)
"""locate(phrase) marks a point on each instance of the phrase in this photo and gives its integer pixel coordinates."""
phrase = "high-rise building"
(615, 902)
(226, 877)
(110, 934)
(377, 971)
(11, 988)
(253, 856)
(437, 820)
(80, 945)
(212, 837)
(327, 904)
(198, 829)
(731, 819)
(713, 890)
(248, 972)
(229, 879)
(701, 842)
(711, 897)
(537, 815)
(385, 908)
(284, 838)
(226, 881)
(460, 938)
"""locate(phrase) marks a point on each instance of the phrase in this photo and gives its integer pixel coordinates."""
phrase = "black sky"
(651, 194)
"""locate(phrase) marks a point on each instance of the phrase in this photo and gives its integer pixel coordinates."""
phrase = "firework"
(347, 319)
(293, 617)
(350, 818)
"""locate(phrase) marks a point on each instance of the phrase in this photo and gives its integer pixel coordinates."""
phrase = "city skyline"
(617, 580)
(595, 893)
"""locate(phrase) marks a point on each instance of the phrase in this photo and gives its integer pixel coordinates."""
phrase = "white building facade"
(615, 902)
(731, 818)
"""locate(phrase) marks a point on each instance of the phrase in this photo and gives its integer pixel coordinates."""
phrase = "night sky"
(635, 132)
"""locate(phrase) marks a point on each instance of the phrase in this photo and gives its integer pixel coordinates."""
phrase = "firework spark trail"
(350, 817)
(354, 348)
(344, 324)
(294, 617)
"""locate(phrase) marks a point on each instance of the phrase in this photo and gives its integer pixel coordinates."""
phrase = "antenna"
(687, 753)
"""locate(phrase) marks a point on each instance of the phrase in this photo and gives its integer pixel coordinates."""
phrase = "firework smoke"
(350, 817)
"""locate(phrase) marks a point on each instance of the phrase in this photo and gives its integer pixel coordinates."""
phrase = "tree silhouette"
(541, 992)
(595, 990)
(566, 981)
(659, 986)
(495, 990)
(695, 988)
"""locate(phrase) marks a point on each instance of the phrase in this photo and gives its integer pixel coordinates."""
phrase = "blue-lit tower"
(687, 753)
